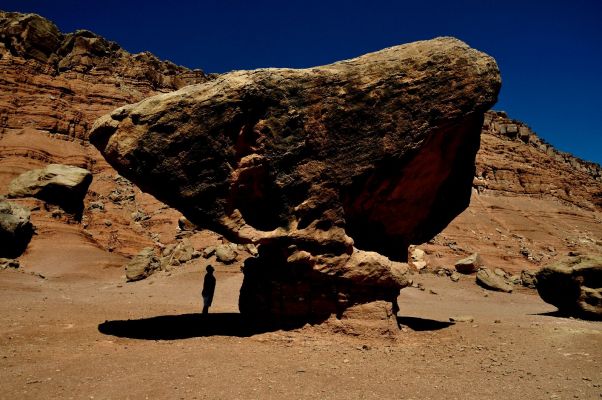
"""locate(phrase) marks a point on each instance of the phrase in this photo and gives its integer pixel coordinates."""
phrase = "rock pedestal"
(372, 153)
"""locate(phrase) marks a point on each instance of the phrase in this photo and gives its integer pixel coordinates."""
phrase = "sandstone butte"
(531, 204)
(327, 168)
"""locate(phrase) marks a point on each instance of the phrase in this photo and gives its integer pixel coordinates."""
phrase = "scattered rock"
(462, 318)
(515, 280)
(469, 264)
(224, 253)
(574, 285)
(16, 229)
(96, 205)
(455, 277)
(139, 216)
(142, 265)
(6, 263)
(177, 254)
(63, 185)
(208, 251)
(487, 279)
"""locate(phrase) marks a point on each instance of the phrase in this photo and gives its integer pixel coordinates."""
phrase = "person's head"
(210, 269)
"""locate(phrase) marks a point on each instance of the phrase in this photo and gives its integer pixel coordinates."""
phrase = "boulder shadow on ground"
(422, 324)
(185, 326)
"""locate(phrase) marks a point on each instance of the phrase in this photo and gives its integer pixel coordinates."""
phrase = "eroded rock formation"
(372, 153)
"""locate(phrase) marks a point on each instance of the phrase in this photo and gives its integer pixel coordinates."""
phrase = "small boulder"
(574, 285)
(208, 251)
(528, 279)
(177, 254)
(63, 185)
(225, 254)
(455, 277)
(416, 257)
(489, 280)
(469, 264)
(142, 265)
(462, 318)
(185, 225)
(16, 229)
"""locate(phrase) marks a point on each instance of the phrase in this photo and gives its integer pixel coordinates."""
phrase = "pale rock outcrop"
(63, 185)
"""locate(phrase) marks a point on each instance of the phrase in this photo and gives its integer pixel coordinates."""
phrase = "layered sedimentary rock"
(372, 153)
(531, 205)
(52, 87)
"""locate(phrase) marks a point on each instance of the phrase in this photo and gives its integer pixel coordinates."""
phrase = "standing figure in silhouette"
(208, 289)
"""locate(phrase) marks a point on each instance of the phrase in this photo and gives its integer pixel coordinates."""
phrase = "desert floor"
(90, 335)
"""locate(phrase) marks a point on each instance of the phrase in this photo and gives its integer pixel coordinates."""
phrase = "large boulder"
(574, 285)
(63, 185)
(372, 153)
(15, 229)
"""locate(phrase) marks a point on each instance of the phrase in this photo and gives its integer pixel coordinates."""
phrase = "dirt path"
(51, 345)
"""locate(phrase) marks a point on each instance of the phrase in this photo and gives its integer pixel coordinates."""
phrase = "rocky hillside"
(53, 86)
(530, 203)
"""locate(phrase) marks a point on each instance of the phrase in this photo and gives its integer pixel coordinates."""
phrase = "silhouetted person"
(208, 289)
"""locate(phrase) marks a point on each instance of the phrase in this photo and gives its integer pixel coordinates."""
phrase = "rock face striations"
(52, 87)
(372, 153)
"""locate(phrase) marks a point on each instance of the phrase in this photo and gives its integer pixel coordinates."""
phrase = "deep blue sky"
(549, 52)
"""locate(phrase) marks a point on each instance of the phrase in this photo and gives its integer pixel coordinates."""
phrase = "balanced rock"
(489, 280)
(16, 229)
(142, 265)
(59, 184)
(469, 264)
(372, 153)
(574, 285)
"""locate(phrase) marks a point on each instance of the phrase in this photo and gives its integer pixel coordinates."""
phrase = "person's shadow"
(184, 326)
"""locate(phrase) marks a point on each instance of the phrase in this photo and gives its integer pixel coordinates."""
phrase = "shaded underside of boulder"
(63, 185)
(16, 229)
(372, 153)
(574, 285)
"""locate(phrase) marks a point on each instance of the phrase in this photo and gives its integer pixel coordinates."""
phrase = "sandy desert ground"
(75, 334)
